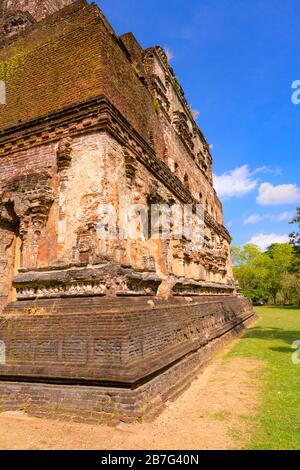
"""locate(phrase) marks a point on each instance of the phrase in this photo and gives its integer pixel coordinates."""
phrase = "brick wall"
(108, 343)
(108, 405)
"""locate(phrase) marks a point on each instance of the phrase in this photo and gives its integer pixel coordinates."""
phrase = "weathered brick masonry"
(95, 329)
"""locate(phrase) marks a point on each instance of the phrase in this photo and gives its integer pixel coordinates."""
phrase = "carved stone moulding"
(61, 290)
(132, 287)
(27, 199)
(141, 285)
(190, 288)
(105, 281)
(63, 154)
(160, 93)
(108, 280)
(131, 165)
(180, 123)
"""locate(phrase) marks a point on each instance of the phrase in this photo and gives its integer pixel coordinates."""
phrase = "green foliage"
(267, 276)
(156, 106)
(295, 236)
(291, 287)
(280, 259)
(10, 66)
(250, 269)
(295, 241)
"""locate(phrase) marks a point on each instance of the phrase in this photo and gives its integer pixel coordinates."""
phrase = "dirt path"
(214, 413)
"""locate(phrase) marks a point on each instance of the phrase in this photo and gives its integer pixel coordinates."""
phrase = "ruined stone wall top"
(18, 16)
(38, 9)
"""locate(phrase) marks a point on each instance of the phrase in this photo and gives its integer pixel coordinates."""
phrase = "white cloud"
(256, 218)
(264, 240)
(235, 183)
(282, 194)
(285, 216)
(267, 169)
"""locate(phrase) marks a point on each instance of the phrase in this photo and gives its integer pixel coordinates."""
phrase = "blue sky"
(236, 61)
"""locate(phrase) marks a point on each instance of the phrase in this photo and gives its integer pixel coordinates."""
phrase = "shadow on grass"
(283, 350)
(279, 307)
(271, 334)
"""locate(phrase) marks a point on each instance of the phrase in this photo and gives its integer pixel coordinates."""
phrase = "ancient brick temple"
(91, 328)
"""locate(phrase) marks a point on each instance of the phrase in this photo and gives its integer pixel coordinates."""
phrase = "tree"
(295, 242)
(291, 288)
(280, 258)
(265, 275)
(295, 236)
(251, 271)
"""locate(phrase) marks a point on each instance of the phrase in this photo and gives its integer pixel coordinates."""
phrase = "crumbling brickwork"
(92, 120)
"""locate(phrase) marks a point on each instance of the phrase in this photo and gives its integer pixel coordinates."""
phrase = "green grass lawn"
(277, 425)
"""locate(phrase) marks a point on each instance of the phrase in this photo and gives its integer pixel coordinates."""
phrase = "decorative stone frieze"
(130, 168)
(25, 204)
(180, 123)
(64, 156)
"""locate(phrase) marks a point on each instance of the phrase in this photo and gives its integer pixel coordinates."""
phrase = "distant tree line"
(273, 275)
